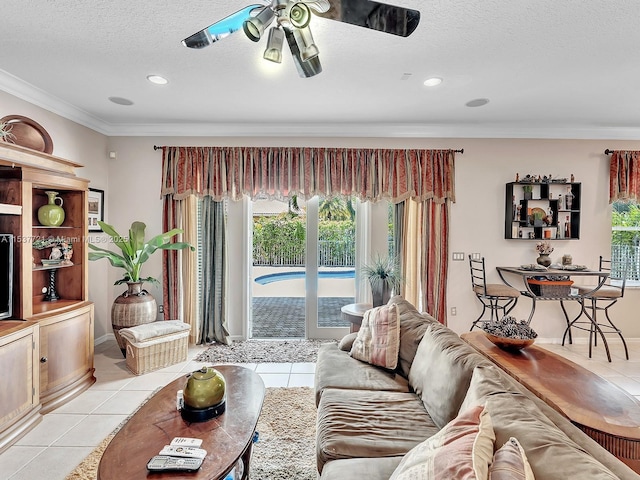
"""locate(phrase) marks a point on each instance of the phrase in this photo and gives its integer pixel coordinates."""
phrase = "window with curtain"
(625, 238)
(624, 197)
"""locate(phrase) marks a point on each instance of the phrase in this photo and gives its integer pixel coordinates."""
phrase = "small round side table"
(354, 313)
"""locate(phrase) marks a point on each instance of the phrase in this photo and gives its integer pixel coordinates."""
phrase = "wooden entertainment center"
(46, 346)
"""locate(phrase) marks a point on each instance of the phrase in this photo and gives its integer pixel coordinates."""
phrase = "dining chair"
(601, 300)
(492, 296)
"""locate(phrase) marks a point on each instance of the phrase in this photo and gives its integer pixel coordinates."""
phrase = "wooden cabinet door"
(19, 400)
(66, 356)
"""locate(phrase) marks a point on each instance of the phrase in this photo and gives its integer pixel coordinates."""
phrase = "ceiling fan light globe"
(252, 31)
(254, 26)
(299, 15)
(309, 53)
(273, 55)
(273, 51)
(306, 45)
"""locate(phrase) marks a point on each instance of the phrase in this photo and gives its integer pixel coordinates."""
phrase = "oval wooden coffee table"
(227, 438)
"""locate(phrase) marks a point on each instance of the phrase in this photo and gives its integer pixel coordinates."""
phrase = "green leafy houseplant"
(384, 275)
(135, 250)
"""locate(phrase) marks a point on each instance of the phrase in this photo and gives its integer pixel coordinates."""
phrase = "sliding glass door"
(303, 268)
(330, 272)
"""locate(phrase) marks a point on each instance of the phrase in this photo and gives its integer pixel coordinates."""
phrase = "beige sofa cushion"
(336, 369)
(486, 380)
(369, 424)
(441, 372)
(462, 450)
(490, 382)
(378, 339)
(551, 454)
(413, 324)
(355, 468)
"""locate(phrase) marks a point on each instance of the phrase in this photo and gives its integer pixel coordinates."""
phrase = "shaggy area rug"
(286, 445)
(263, 351)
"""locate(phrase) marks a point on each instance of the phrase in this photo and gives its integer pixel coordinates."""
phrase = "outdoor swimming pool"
(281, 276)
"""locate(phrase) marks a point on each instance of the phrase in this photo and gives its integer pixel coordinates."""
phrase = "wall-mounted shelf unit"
(540, 211)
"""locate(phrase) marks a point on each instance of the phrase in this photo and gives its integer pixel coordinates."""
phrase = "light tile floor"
(68, 434)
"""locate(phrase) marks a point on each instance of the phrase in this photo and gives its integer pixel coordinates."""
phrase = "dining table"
(523, 274)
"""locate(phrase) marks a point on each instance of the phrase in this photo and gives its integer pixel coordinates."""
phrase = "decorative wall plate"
(28, 133)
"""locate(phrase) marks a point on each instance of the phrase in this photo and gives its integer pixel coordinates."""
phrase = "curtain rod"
(608, 151)
(461, 151)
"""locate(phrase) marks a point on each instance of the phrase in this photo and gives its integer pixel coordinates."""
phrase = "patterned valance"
(624, 175)
(279, 172)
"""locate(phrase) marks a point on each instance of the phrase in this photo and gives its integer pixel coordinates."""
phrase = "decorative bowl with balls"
(509, 333)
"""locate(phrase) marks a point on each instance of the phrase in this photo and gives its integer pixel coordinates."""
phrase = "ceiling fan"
(292, 19)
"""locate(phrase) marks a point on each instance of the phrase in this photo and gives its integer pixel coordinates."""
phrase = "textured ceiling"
(565, 69)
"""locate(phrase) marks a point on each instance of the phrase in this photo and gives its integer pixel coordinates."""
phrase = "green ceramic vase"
(51, 214)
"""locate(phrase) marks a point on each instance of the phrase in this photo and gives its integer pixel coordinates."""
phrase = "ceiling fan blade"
(319, 6)
(306, 69)
(374, 15)
(221, 29)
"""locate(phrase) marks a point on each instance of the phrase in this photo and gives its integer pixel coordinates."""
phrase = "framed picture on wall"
(96, 209)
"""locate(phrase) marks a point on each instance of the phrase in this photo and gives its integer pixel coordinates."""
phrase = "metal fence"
(331, 254)
(629, 254)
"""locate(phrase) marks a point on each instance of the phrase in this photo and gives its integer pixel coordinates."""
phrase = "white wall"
(132, 185)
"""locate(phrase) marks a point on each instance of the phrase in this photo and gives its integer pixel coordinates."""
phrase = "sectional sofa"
(413, 421)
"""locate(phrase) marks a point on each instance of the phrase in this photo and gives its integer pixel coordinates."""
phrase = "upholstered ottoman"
(155, 345)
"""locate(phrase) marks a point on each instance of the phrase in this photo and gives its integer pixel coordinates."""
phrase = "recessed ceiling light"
(432, 82)
(157, 79)
(121, 101)
(478, 102)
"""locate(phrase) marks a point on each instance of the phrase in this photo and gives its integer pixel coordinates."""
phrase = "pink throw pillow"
(510, 463)
(462, 450)
(378, 340)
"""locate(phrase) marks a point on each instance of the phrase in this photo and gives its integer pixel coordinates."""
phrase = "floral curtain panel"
(624, 176)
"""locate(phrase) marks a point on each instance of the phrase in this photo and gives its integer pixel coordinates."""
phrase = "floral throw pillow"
(378, 340)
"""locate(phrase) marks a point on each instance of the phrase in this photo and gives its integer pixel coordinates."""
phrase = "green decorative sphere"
(205, 388)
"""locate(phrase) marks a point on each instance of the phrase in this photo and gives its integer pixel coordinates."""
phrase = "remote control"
(186, 442)
(189, 452)
(163, 463)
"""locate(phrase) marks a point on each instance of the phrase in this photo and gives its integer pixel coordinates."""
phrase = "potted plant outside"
(384, 276)
(135, 306)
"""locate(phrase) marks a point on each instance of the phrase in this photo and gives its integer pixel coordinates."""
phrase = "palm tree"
(335, 209)
(294, 208)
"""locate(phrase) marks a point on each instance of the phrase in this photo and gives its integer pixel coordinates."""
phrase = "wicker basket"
(159, 352)
(549, 288)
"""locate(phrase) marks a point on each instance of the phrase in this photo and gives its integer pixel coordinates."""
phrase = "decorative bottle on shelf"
(51, 214)
(568, 199)
(567, 228)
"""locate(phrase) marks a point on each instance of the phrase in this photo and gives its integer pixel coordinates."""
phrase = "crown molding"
(36, 96)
